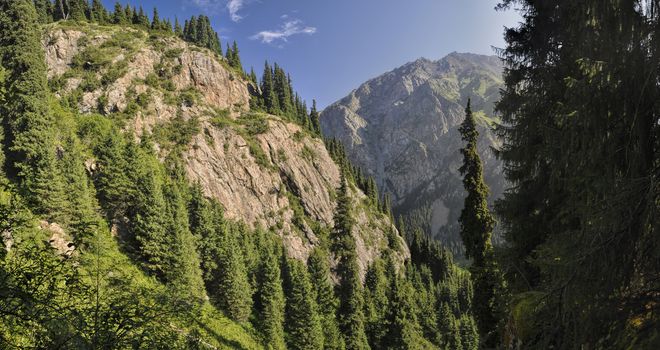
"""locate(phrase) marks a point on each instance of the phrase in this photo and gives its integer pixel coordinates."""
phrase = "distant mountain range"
(402, 129)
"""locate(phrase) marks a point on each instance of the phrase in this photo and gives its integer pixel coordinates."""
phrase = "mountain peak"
(401, 127)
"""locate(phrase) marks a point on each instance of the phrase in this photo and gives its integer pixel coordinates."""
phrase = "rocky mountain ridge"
(401, 128)
(279, 178)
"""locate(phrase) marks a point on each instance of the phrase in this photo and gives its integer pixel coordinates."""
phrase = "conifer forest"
(156, 193)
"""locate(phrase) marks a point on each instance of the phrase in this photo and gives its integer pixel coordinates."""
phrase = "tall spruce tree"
(477, 224)
(314, 118)
(147, 213)
(234, 294)
(404, 331)
(580, 148)
(350, 314)
(377, 304)
(270, 300)
(303, 326)
(281, 88)
(119, 15)
(44, 10)
(327, 302)
(235, 58)
(27, 119)
(155, 20)
(271, 101)
(178, 31)
(98, 13)
(77, 10)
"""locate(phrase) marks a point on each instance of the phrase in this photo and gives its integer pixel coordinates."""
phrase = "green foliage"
(31, 152)
(580, 146)
(270, 301)
(303, 326)
(234, 294)
(404, 331)
(327, 302)
(350, 314)
(93, 58)
(377, 294)
(254, 123)
(177, 133)
(44, 11)
(198, 31)
(477, 225)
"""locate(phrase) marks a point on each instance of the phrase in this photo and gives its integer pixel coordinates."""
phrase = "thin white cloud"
(233, 6)
(289, 28)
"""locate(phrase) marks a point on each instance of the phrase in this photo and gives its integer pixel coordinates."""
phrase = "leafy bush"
(256, 126)
(143, 99)
(115, 72)
(89, 82)
(152, 80)
(173, 53)
(93, 59)
(189, 97)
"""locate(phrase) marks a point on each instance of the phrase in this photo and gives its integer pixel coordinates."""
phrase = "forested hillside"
(155, 195)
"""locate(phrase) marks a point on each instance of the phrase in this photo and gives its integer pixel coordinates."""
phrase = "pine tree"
(184, 273)
(477, 225)
(216, 45)
(314, 117)
(302, 322)
(59, 10)
(319, 272)
(268, 90)
(469, 333)
(155, 20)
(113, 184)
(131, 14)
(281, 88)
(234, 295)
(147, 213)
(581, 154)
(83, 219)
(253, 77)
(98, 13)
(201, 37)
(377, 290)
(142, 19)
(119, 15)
(234, 57)
(270, 301)
(77, 10)
(350, 314)
(44, 11)
(178, 31)
(404, 332)
(27, 117)
(191, 33)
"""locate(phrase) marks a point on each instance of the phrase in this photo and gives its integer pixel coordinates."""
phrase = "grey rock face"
(402, 129)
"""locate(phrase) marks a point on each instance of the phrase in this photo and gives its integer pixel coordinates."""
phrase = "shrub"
(92, 59)
(115, 72)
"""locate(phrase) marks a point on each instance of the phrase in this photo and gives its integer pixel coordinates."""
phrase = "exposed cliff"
(278, 177)
(402, 128)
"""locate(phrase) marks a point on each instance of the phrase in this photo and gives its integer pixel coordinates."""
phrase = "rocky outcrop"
(59, 239)
(263, 179)
(401, 128)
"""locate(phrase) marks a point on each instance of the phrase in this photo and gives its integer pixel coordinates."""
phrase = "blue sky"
(331, 46)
